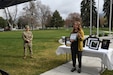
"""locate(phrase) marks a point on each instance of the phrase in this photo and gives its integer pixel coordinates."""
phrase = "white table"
(105, 55)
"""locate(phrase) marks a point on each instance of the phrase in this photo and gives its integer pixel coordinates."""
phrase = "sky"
(64, 7)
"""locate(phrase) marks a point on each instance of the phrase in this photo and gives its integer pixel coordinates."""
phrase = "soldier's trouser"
(29, 46)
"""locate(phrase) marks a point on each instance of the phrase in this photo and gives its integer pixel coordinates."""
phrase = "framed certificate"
(73, 36)
(89, 40)
(105, 44)
(94, 44)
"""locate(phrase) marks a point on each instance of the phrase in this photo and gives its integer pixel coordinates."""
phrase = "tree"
(36, 14)
(3, 23)
(48, 21)
(11, 16)
(85, 13)
(102, 20)
(43, 14)
(106, 9)
(22, 21)
(71, 18)
(30, 14)
(56, 20)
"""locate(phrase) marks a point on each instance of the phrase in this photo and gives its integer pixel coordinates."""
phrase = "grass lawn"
(45, 43)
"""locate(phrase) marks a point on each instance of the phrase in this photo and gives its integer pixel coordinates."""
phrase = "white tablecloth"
(105, 55)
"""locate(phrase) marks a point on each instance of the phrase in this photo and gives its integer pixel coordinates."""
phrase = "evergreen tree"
(85, 13)
(106, 9)
(56, 20)
(3, 23)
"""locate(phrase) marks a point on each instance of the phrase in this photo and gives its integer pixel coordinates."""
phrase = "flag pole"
(110, 16)
(90, 17)
(98, 20)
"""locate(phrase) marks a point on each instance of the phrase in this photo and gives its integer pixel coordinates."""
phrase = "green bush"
(100, 34)
(106, 34)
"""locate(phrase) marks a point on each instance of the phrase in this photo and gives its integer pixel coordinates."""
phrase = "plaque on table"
(67, 41)
(105, 44)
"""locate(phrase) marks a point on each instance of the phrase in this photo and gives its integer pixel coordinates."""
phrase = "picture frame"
(105, 43)
(63, 38)
(94, 44)
(67, 41)
(88, 40)
(73, 36)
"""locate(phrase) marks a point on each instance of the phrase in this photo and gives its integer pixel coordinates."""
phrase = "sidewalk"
(91, 67)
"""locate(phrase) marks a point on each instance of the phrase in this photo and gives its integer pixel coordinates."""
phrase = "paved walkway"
(90, 66)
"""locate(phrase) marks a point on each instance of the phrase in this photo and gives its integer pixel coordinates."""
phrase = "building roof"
(7, 3)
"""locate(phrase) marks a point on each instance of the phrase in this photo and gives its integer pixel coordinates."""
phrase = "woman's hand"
(71, 40)
(79, 35)
(28, 40)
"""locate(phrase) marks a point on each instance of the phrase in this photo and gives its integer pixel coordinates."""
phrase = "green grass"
(45, 43)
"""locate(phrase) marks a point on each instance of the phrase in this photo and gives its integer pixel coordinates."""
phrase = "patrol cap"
(27, 26)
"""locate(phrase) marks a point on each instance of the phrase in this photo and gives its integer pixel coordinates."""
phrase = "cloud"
(63, 6)
(101, 2)
(66, 7)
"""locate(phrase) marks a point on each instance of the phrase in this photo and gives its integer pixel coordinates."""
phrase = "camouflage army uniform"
(27, 37)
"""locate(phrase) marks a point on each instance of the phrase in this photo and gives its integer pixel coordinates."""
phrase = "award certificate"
(73, 36)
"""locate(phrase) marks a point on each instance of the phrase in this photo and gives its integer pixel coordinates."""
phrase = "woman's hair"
(79, 25)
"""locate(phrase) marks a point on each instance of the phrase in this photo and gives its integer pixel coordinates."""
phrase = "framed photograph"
(63, 38)
(67, 41)
(94, 44)
(105, 43)
(89, 40)
(73, 36)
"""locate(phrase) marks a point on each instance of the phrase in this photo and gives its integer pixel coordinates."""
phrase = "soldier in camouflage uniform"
(27, 37)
